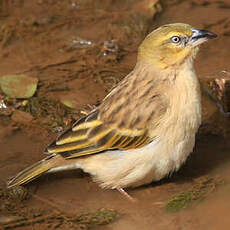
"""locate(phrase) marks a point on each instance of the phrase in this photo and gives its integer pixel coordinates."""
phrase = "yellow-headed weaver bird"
(145, 128)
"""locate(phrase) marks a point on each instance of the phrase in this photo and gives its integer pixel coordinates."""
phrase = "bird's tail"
(33, 171)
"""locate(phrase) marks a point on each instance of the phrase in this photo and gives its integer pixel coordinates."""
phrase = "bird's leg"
(123, 192)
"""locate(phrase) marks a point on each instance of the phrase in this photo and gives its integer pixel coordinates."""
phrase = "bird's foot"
(123, 192)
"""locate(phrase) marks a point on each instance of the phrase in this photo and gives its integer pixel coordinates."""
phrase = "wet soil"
(62, 43)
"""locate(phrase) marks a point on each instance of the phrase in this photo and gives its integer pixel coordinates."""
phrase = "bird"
(145, 128)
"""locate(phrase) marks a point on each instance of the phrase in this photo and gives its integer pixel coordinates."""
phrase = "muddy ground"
(79, 49)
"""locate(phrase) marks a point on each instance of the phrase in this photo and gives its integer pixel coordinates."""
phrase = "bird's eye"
(175, 39)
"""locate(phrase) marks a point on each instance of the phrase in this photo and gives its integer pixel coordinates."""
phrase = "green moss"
(201, 189)
(179, 201)
(99, 217)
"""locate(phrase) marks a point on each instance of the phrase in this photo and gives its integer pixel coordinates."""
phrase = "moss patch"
(202, 188)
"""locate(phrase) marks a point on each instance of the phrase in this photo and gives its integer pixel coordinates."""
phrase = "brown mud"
(79, 49)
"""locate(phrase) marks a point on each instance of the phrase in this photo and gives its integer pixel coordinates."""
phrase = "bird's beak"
(200, 36)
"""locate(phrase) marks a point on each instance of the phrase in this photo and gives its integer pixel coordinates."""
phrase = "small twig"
(58, 63)
(64, 88)
(52, 204)
(6, 38)
(57, 211)
(48, 65)
(30, 221)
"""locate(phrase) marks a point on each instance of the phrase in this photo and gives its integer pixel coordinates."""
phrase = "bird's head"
(172, 44)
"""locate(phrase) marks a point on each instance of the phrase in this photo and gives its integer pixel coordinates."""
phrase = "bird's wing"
(125, 120)
(90, 135)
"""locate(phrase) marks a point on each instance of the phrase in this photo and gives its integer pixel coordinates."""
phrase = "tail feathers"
(32, 172)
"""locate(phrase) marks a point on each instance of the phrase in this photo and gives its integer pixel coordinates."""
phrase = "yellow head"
(172, 44)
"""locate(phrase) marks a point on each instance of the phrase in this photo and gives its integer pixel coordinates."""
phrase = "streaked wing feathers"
(89, 135)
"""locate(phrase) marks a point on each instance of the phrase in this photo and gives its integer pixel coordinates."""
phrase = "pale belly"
(132, 168)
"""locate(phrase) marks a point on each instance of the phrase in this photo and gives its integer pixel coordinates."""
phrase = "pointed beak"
(200, 36)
